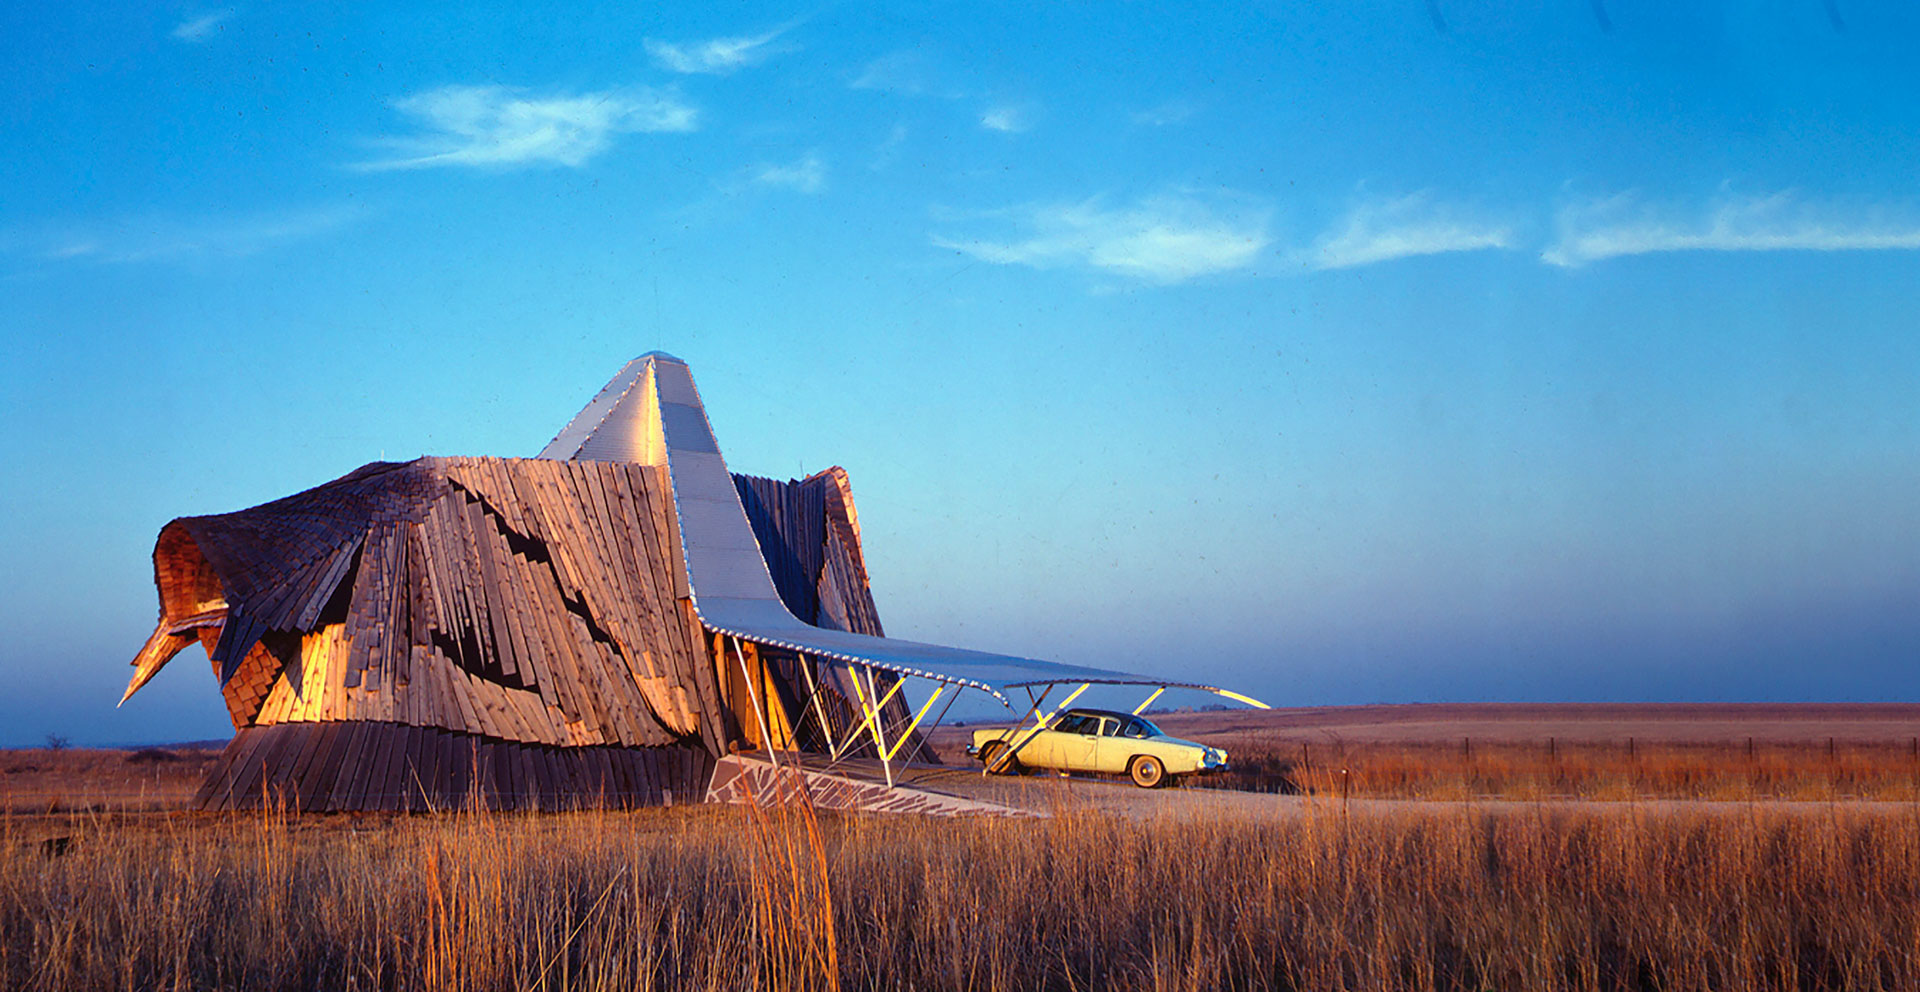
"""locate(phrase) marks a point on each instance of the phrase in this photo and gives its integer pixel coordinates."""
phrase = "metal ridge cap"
(844, 656)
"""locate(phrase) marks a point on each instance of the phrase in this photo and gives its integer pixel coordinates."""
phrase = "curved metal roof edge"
(1024, 672)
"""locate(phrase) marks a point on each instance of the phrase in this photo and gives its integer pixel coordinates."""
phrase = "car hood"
(1183, 743)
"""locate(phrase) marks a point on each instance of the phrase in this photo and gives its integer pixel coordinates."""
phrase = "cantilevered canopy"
(652, 413)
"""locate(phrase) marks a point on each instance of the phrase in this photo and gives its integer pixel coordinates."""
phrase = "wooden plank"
(525, 625)
(651, 778)
(545, 785)
(563, 543)
(360, 784)
(309, 744)
(413, 778)
(513, 777)
(475, 714)
(317, 790)
(216, 792)
(352, 767)
(434, 770)
(624, 783)
(277, 750)
(463, 750)
(373, 792)
(480, 545)
(486, 777)
(387, 791)
(507, 775)
(240, 791)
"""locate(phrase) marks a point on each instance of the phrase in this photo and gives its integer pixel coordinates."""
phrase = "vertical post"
(879, 740)
(819, 711)
(1749, 749)
(766, 736)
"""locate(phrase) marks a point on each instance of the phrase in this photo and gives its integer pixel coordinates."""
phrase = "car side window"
(1071, 724)
(1109, 727)
(1134, 728)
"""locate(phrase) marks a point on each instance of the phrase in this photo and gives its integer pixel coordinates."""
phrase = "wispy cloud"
(894, 72)
(502, 127)
(1164, 114)
(1623, 225)
(166, 237)
(806, 175)
(1164, 239)
(1007, 119)
(201, 28)
(1402, 228)
(716, 56)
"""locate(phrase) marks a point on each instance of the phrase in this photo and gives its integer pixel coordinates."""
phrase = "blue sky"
(1390, 352)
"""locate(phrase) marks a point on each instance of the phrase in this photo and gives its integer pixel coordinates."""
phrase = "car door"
(1087, 747)
(1044, 750)
(1112, 749)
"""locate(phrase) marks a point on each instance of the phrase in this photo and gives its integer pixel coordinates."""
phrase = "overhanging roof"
(651, 412)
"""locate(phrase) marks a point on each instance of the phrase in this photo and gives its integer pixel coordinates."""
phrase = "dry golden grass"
(1423, 897)
(39, 780)
(1469, 769)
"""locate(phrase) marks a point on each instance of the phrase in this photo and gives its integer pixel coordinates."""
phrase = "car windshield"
(1074, 723)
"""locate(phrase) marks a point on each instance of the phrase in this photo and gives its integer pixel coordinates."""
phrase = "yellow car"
(1084, 740)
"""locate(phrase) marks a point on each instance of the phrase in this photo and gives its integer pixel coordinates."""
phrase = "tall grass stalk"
(1656, 896)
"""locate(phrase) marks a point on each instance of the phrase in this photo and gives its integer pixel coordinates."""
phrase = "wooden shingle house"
(597, 625)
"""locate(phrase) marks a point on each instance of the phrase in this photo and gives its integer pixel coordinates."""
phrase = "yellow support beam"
(1249, 700)
(924, 707)
(875, 713)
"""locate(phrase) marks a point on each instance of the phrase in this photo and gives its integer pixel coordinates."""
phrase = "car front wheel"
(991, 754)
(1147, 771)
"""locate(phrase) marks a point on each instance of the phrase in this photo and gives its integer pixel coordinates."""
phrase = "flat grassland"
(1614, 751)
(1646, 893)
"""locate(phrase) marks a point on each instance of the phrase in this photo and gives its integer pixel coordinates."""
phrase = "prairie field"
(1734, 752)
(1465, 875)
(1335, 896)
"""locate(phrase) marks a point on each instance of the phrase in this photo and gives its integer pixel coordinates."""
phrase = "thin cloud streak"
(1404, 228)
(499, 127)
(1006, 119)
(1621, 226)
(201, 28)
(1164, 240)
(807, 175)
(716, 56)
(1164, 114)
(896, 72)
(163, 238)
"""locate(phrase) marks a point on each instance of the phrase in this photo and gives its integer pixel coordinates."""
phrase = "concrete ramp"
(742, 779)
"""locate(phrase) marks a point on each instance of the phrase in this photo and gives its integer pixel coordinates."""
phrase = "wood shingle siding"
(426, 633)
